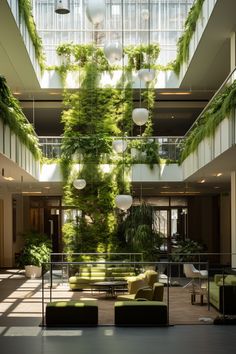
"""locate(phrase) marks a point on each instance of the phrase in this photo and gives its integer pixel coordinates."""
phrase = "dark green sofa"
(222, 294)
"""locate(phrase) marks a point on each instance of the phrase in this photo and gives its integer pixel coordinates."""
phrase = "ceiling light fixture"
(123, 201)
(202, 180)
(32, 192)
(119, 145)
(219, 174)
(79, 183)
(95, 11)
(62, 7)
(174, 93)
(113, 52)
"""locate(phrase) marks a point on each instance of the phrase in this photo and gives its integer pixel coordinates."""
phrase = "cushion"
(230, 280)
(135, 284)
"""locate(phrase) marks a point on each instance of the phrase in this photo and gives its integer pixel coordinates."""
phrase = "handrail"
(168, 264)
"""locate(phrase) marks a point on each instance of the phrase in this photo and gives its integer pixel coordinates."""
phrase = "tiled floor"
(20, 329)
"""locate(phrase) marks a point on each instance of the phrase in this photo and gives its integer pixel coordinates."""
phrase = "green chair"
(152, 294)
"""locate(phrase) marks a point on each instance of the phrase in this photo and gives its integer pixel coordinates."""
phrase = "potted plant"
(36, 250)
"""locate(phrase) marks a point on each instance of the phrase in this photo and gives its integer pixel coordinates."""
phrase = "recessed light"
(175, 93)
(36, 192)
(172, 117)
(219, 174)
(202, 180)
(8, 178)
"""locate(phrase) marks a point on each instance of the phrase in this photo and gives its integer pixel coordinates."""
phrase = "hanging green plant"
(206, 125)
(189, 29)
(25, 10)
(142, 56)
(12, 115)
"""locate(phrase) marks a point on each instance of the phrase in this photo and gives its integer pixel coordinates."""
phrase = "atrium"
(112, 111)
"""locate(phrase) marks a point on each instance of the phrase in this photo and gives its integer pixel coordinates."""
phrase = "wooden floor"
(22, 298)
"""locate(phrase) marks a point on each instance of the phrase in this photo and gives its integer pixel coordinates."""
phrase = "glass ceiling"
(166, 24)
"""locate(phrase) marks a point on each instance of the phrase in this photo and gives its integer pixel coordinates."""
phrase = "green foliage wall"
(91, 117)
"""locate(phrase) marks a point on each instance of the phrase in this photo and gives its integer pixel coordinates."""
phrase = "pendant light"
(113, 52)
(147, 74)
(95, 11)
(119, 145)
(140, 116)
(79, 183)
(62, 7)
(123, 201)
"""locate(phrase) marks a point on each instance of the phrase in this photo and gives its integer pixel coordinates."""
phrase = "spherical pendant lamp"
(140, 116)
(146, 75)
(95, 11)
(119, 145)
(62, 7)
(79, 183)
(123, 201)
(145, 14)
(113, 52)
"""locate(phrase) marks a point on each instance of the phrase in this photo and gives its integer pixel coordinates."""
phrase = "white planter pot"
(33, 272)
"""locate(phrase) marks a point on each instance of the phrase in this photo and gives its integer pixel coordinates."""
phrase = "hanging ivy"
(25, 10)
(13, 116)
(189, 29)
(206, 125)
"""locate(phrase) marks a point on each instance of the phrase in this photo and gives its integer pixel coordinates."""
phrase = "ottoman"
(140, 313)
(72, 313)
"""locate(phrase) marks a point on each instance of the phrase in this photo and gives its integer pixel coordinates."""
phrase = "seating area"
(145, 288)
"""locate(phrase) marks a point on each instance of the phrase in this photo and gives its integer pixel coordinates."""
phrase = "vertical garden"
(93, 117)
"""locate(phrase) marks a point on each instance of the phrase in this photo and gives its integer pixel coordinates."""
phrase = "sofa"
(89, 275)
(222, 293)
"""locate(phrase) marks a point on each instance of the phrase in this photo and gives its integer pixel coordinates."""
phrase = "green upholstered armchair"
(153, 294)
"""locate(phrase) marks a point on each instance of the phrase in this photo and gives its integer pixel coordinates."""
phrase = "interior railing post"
(50, 288)
(43, 317)
(168, 293)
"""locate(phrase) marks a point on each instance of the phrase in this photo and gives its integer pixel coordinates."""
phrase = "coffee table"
(109, 287)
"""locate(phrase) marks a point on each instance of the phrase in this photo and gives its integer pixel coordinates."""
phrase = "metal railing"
(169, 146)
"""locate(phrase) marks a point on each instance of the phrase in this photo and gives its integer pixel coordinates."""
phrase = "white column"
(232, 51)
(233, 218)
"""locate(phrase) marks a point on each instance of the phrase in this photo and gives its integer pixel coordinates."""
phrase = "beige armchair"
(146, 279)
(153, 294)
